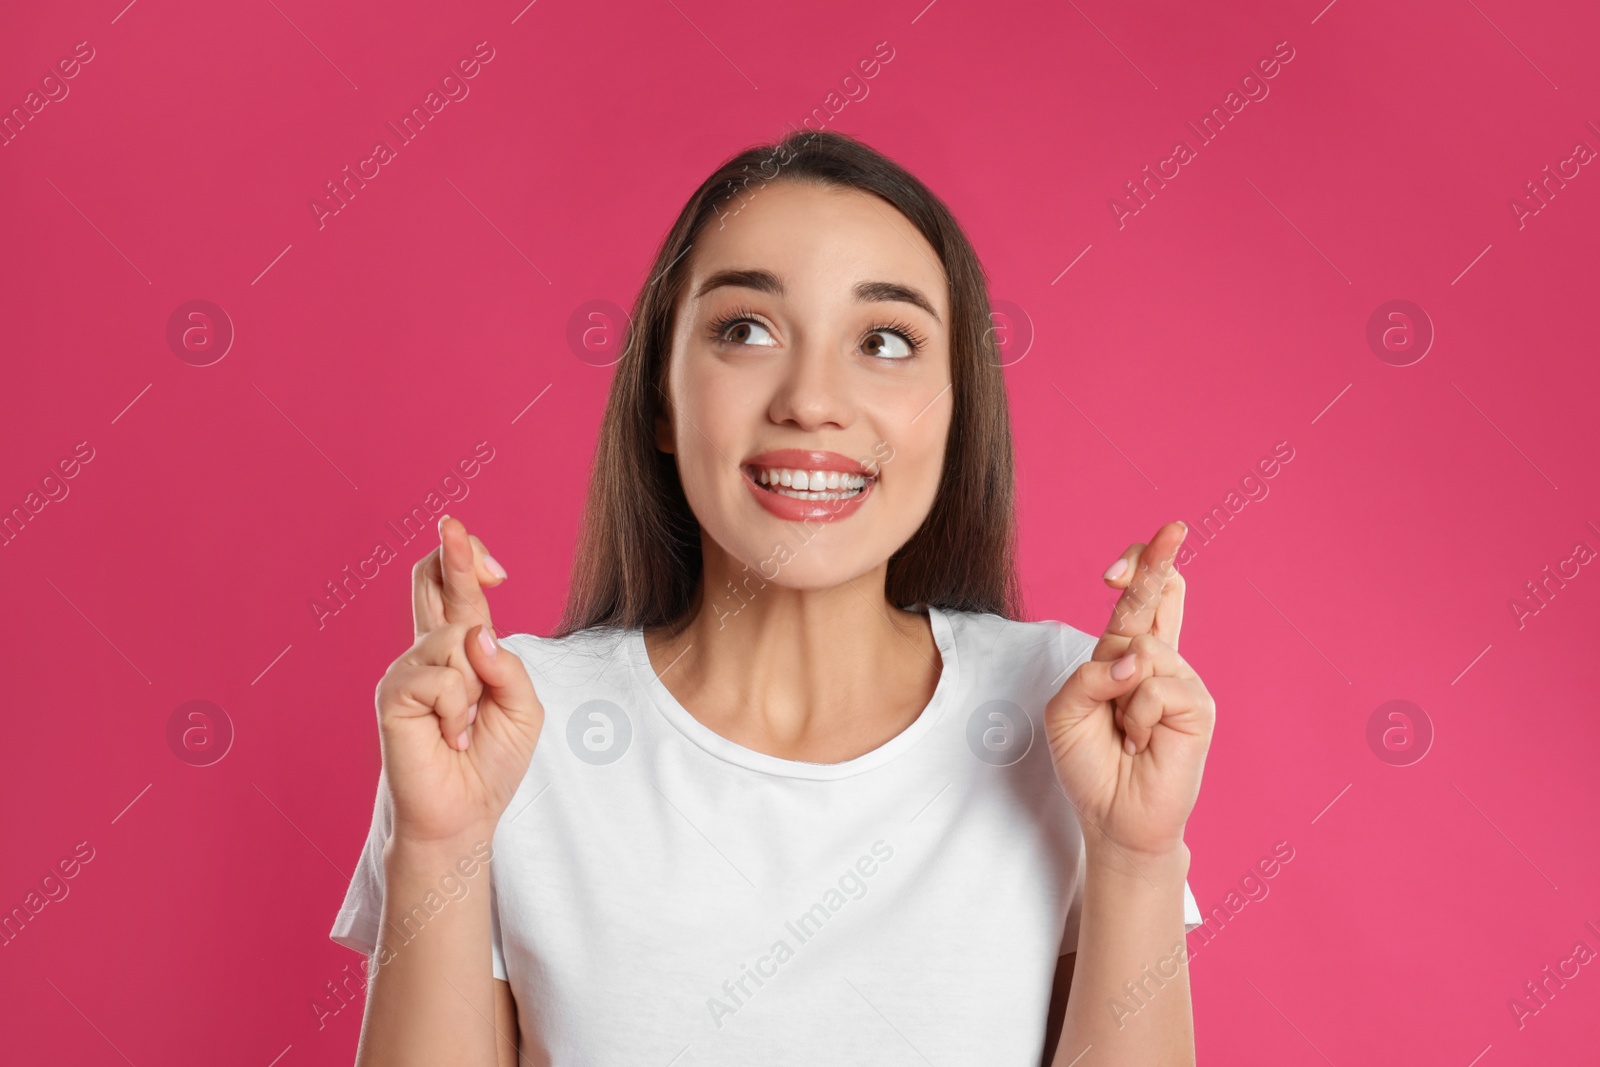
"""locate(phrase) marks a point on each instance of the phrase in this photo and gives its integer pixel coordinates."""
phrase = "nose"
(814, 392)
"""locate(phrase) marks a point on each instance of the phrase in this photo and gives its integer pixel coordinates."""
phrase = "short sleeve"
(1074, 647)
(1069, 936)
(356, 925)
(496, 953)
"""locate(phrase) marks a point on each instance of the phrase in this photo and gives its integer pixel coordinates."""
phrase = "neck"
(820, 674)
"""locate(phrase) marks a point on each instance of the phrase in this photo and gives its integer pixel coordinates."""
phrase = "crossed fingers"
(1152, 598)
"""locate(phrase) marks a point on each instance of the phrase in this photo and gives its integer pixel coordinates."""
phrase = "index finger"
(1135, 611)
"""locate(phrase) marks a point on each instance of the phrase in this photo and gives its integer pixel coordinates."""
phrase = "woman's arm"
(1129, 1000)
(1128, 733)
(458, 722)
(432, 999)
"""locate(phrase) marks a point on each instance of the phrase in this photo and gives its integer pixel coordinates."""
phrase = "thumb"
(1094, 683)
(505, 679)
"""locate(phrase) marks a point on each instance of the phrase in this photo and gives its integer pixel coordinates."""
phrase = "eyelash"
(907, 332)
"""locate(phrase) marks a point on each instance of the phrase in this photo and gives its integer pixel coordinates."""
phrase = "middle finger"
(436, 601)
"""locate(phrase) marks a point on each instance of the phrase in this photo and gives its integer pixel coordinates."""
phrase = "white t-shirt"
(663, 895)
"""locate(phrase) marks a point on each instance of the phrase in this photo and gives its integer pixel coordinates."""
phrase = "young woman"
(793, 782)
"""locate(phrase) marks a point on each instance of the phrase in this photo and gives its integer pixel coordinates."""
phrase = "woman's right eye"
(745, 332)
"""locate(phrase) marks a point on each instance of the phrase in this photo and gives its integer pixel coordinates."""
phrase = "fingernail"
(494, 566)
(461, 742)
(441, 522)
(1115, 570)
(472, 713)
(1127, 745)
(1123, 669)
(486, 642)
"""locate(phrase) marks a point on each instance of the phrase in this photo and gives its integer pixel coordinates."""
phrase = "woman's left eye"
(900, 348)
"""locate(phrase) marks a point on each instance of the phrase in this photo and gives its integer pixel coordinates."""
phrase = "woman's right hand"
(457, 715)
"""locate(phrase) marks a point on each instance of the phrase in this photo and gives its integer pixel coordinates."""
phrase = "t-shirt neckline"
(667, 705)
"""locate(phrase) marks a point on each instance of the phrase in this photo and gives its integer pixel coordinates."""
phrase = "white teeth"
(811, 485)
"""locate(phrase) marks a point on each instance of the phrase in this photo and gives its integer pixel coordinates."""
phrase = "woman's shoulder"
(583, 651)
(996, 636)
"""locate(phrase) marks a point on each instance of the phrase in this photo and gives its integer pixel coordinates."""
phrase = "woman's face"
(802, 344)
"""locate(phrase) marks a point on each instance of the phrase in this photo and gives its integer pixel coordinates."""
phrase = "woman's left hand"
(1129, 730)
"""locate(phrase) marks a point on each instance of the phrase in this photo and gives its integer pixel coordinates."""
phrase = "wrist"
(464, 851)
(1103, 857)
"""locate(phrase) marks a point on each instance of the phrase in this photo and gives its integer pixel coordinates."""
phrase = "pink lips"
(793, 510)
(801, 460)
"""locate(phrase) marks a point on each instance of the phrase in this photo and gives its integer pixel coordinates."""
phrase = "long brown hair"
(638, 561)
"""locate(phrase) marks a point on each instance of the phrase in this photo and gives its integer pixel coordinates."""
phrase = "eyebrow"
(865, 292)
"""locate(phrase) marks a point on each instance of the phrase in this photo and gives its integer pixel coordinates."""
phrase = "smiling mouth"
(811, 485)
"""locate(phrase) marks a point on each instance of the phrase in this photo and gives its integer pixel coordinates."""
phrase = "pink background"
(1229, 314)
